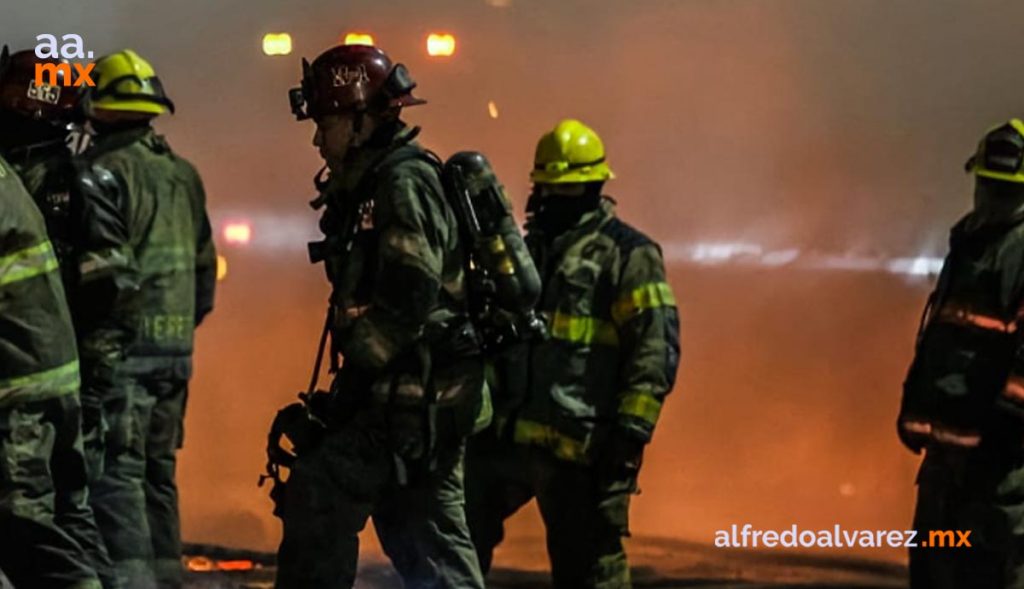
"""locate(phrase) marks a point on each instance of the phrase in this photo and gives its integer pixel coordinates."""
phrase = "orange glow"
(492, 109)
(199, 564)
(238, 233)
(277, 44)
(235, 565)
(222, 267)
(359, 39)
(441, 45)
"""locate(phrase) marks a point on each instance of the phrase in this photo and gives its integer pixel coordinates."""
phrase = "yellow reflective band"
(53, 382)
(642, 405)
(166, 258)
(538, 434)
(583, 330)
(26, 263)
(646, 296)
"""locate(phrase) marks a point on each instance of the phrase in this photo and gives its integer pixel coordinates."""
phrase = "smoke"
(836, 127)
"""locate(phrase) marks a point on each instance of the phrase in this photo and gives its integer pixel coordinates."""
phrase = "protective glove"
(407, 433)
(621, 457)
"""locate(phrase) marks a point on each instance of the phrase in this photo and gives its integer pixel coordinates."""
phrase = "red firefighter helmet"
(352, 78)
(20, 93)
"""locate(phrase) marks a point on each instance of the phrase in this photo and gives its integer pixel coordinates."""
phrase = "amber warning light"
(277, 44)
(441, 45)
(238, 233)
(358, 39)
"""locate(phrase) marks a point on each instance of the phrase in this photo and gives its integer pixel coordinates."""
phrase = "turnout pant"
(48, 538)
(585, 518)
(352, 475)
(136, 497)
(980, 490)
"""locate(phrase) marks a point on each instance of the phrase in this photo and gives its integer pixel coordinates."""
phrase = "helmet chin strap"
(355, 141)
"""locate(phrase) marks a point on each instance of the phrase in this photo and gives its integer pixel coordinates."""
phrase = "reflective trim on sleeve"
(166, 258)
(583, 330)
(1014, 389)
(952, 437)
(641, 405)
(941, 434)
(963, 316)
(26, 263)
(651, 295)
(48, 383)
(914, 426)
(538, 434)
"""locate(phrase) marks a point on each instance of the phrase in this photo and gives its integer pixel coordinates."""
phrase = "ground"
(657, 563)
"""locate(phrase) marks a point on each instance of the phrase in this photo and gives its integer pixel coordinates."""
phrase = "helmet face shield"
(297, 100)
(1000, 154)
(1004, 150)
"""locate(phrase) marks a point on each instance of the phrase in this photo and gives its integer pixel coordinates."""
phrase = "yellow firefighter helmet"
(1000, 154)
(571, 152)
(127, 82)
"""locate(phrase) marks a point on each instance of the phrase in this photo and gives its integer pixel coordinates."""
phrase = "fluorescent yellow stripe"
(53, 382)
(583, 330)
(646, 296)
(538, 434)
(166, 258)
(642, 405)
(26, 263)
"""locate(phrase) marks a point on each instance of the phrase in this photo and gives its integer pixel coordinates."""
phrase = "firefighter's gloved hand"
(407, 433)
(294, 423)
(621, 457)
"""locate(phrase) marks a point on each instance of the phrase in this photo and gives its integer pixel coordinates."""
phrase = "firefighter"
(86, 231)
(409, 387)
(168, 231)
(963, 398)
(574, 411)
(40, 440)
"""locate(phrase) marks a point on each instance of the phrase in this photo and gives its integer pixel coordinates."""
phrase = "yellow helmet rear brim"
(1003, 176)
(140, 106)
(595, 173)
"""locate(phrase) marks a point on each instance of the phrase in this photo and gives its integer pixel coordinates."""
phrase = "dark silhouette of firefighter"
(574, 410)
(387, 439)
(963, 398)
(41, 462)
(135, 499)
(86, 230)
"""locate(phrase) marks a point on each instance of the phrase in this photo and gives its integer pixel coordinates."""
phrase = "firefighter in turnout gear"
(168, 233)
(86, 231)
(963, 398)
(40, 439)
(410, 382)
(574, 411)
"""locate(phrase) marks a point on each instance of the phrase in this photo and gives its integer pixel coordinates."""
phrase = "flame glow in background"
(800, 161)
